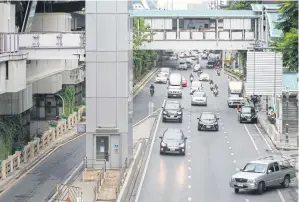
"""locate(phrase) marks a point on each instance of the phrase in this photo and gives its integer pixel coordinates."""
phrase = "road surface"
(212, 157)
(41, 181)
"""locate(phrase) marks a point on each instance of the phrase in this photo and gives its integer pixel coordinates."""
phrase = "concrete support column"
(266, 31)
(262, 27)
(216, 29)
(255, 29)
(177, 28)
(109, 73)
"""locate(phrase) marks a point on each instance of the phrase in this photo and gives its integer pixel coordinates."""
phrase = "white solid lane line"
(149, 156)
(246, 200)
(280, 196)
(251, 138)
(268, 145)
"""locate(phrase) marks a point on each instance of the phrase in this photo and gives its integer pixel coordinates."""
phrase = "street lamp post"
(287, 116)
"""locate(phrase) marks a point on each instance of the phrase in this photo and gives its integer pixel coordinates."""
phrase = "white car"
(196, 68)
(204, 77)
(182, 66)
(195, 86)
(161, 78)
(204, 56)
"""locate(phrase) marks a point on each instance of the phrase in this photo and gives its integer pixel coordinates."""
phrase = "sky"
(179, 4)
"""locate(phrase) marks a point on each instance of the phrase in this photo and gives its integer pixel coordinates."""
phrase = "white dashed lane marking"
(189, 199)
(189, 186)
(189, 177)
(232, 154)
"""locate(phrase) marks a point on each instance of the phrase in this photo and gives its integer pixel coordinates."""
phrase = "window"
(276, 166)
(271, 167)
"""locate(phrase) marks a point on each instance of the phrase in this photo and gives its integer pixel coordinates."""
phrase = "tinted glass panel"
(199, 94)
(172, 106)
(208, 116)
(173, 136)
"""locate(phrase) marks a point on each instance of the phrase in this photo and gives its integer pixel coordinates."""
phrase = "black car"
(172, 111)
(173, 140)
(208, 121)
(247, 114)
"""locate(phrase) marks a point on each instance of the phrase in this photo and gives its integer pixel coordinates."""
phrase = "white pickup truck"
(262, 173)
(235, 91)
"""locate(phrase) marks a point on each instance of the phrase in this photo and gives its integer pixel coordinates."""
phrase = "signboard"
(264, 73)
(81, 128)
(195, 23)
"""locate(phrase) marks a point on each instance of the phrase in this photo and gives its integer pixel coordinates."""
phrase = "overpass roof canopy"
(273, 18)
(259, 7)
(290, 79)
(193, 14)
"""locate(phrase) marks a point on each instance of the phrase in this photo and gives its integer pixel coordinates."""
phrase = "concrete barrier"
(31, 150)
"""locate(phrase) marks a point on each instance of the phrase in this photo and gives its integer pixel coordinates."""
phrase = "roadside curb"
(273, 141)
(232, 75)
(140, 84)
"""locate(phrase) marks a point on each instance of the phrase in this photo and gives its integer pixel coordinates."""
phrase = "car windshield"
(172, 106)
(247, 110)
(165, 70)
(196, 84)
(197, 66)
(173, 136)
(207, 116)
(255, 168)
(234, 95)
(182, 63)
(199, 94)
(204, 75)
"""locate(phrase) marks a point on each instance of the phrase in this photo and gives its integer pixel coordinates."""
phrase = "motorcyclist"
(152, 87)
(211, 82)
(218, 71)
(216, 86)
(215, 91)
(191, 77)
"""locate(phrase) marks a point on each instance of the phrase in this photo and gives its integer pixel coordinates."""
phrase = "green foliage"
(233, 72)
(68, 95)
(241, 5)
(11, 131)
(142, 59)
(287, 43)
(243, 58)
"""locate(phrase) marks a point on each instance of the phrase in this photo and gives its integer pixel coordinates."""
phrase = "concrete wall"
(52, 22)
(48, 85)
(16, 103)
(2, 77)
(39, 69)
(7, 17)
(16, 76)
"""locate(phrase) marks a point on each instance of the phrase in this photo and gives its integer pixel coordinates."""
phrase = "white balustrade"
(159, 36)
(210, 35)
(249, 35)
(9, 43)
(170, 35)
(237, 35)
(197, 35)
(223, 35)
(185, 35)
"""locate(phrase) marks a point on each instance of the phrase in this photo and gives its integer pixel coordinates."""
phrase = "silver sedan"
(199, 98)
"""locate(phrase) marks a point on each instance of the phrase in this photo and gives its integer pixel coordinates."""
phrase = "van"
(175, 86)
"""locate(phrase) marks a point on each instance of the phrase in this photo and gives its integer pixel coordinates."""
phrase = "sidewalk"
(25, 167)
(141, 131)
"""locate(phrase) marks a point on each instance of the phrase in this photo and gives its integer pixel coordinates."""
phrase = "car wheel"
(255, 121)
(180, 120)
(237, 190)
(286, 182)
(164, 120)
(161, 153)
(261, 188)
(198, 128)
(216, 128)
(183, 153)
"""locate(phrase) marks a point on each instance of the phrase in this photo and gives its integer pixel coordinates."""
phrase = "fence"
(31, 150)
(122, 177)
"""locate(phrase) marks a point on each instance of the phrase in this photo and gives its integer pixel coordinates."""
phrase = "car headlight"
(179, 112)
(163, 144)
(233, 179)
(242, 116)
(251, 181)
(200, 122)
(182, 145)
(164, 112)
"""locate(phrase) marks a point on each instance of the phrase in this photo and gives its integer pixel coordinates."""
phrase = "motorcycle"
(215, 92)
(152, 92)
(271, 118)
(211, 86)
(191, 79)
(218, 73)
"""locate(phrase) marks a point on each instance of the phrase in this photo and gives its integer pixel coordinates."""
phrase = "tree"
(142, 59)
(241, 5)
(287, 43)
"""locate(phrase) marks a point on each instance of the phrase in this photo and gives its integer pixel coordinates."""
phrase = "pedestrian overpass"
(173, 29)
(194, 29)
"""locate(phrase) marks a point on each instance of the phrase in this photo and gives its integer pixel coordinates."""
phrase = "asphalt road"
(212, 157)
(41, 181)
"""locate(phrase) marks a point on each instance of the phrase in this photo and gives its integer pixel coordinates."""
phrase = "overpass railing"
(61, 40)
(9, 42)
(204, 35)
